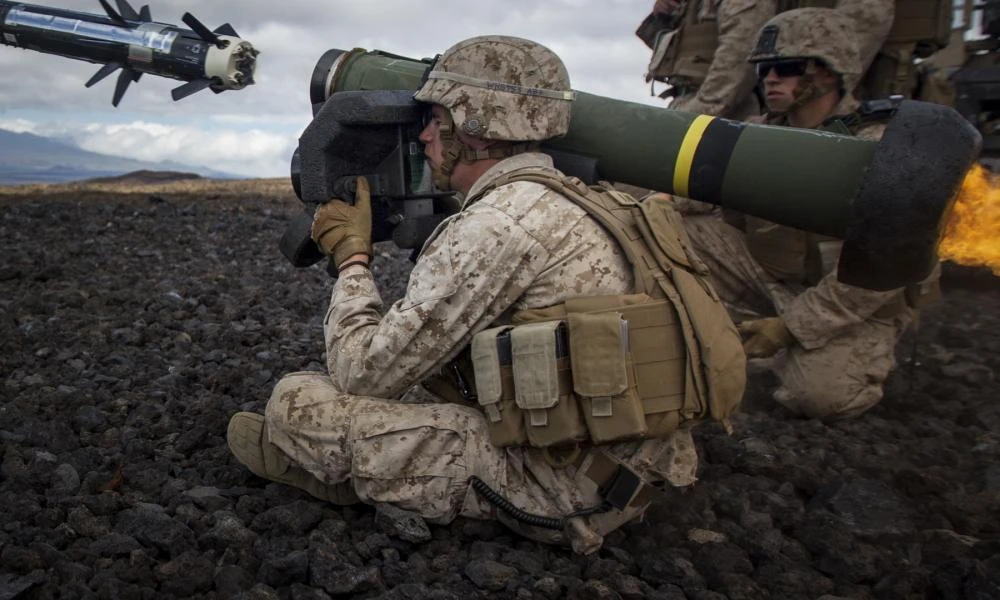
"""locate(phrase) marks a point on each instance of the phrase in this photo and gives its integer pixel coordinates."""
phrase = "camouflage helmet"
(819, 33)
(501, 88)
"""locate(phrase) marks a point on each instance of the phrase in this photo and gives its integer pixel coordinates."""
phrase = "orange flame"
(972, 235)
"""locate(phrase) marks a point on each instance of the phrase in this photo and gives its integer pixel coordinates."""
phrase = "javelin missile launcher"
(887, 200)
(131, 41)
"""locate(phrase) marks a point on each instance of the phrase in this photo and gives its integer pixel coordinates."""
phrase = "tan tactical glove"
(766, 337)
(342, 230)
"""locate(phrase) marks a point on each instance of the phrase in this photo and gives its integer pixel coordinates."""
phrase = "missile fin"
(189, 88)
(126, 10)
(126, 77)
(226, 29)
(145, 15)
(117, 18)
(103, 72)
(198, 27)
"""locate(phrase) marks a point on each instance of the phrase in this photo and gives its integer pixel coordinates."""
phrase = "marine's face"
(780, 79)
(430, 136)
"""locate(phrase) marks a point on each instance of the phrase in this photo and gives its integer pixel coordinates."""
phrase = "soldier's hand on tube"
(765, 337)
(344, 230)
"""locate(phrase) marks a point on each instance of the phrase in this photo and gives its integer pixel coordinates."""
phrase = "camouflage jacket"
(520, 246)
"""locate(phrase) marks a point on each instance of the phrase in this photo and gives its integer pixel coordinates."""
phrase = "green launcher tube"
(888, 200)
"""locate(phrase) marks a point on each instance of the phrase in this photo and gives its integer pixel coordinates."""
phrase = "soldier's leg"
(843, 379)
(416, 456)
(420, 457)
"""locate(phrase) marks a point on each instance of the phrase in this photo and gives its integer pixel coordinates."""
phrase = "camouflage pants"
(841, 379)
(419, 457)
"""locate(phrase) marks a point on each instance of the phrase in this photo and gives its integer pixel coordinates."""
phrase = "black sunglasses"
(789, 67)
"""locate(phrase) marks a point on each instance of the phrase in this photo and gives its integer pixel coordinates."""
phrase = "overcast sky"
(253, 132)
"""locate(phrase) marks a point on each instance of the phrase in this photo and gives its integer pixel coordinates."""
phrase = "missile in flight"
(130, 41)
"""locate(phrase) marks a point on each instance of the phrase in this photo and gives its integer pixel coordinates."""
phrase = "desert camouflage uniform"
(845, 335)
(521, 246)
(873, 20)
(727, 90)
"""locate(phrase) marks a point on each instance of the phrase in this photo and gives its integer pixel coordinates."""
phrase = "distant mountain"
(29, 158)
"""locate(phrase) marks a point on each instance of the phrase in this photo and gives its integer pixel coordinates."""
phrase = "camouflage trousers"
(419, 457)
(841, 379)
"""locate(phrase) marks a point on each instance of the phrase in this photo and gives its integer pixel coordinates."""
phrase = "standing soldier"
(919, 29)
(832, 344)
(563, 395)
(699, 49)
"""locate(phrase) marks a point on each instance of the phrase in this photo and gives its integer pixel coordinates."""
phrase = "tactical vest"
(606, 369)
(682, 56)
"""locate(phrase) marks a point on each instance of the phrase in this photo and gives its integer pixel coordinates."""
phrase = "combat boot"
(248, 442)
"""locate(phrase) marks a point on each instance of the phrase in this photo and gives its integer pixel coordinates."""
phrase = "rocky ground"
(133, 325)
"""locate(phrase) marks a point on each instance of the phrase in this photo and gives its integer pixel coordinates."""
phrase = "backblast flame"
(972, 234)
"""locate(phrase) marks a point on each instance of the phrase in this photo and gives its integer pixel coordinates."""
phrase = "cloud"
(253, 131)
(18, 125)
(247, 152)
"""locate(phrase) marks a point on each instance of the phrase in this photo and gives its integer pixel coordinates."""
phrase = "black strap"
(868, 112)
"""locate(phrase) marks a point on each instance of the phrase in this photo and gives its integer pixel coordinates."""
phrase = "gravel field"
(133, 325)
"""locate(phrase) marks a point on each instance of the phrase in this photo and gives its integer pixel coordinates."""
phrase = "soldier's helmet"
(501, 88)
(819, 33)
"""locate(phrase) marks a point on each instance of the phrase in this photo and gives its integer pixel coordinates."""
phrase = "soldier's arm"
(466, 277)
(874, 20)
(730, 78)
(824, 311)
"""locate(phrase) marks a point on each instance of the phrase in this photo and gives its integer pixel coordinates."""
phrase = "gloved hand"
(342, 230)
(766, 337)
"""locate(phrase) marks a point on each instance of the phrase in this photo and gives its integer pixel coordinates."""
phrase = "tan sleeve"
(730, 77)
(475, 268)
(824, 311)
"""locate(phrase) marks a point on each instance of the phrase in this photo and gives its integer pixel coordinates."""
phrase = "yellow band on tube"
(685, 157)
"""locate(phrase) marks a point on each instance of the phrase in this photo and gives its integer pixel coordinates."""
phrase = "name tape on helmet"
(499, 86)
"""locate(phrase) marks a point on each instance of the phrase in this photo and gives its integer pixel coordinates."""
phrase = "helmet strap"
(455, 151)
(809, 89)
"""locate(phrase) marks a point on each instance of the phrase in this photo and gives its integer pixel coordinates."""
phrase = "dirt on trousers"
(132, 325)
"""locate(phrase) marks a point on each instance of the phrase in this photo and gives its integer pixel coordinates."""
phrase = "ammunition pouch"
(605, 369)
